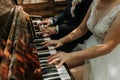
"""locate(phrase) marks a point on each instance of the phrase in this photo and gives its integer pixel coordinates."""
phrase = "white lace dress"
(105, 67)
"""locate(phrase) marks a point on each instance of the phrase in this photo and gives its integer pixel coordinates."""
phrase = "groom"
(73, 15)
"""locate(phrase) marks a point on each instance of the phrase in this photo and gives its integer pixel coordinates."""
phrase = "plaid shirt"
(5, 6)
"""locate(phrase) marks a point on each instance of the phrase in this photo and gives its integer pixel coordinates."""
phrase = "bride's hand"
(59, 58)
(55, 43)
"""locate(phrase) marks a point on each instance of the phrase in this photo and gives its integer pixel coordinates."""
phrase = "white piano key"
(43, 61)
(63, 73)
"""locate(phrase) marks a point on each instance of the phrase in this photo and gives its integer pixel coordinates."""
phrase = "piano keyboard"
(50, 72)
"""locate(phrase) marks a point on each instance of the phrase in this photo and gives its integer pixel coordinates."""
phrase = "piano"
(24, 58)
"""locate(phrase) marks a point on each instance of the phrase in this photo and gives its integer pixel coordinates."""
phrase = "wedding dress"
(106, 67)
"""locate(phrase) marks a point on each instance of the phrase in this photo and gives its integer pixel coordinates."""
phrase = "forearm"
(93, 52)
(78, 32)
(85, 54)
(75, 34)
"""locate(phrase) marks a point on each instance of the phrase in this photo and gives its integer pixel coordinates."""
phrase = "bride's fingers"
(58, 45)
(60, 64)
(46, 43)
(51, 57)
(55, 61)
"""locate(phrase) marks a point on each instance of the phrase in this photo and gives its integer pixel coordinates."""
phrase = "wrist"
(71, 55)
(61, 41)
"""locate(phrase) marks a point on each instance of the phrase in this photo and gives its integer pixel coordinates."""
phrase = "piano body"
(23, 57)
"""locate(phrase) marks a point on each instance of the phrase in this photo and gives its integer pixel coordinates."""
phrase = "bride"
(102, 49)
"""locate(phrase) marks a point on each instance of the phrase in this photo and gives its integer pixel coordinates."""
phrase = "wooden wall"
(48, 8)
(36, 1)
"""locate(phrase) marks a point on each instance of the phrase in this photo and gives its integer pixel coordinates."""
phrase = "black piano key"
(51, 70)
(43, 54)
(38, 44)
(51, 75)
(48, 67)
(42, 51)
(39, 35)
(35, 24)
(36, 27)
(43, 65)
(37, 30)
(39, 48)
(38, 40)
(43, 58)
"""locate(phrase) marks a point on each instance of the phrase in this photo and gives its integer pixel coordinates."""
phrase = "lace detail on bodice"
(101, 28)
